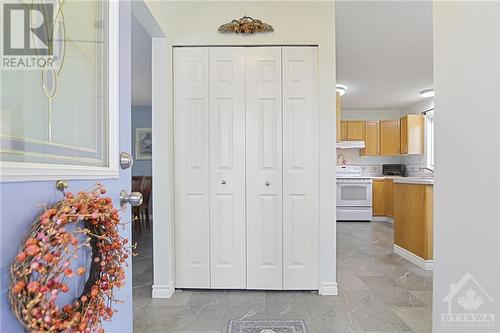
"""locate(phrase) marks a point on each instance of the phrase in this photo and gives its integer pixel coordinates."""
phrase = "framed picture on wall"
(143, 143)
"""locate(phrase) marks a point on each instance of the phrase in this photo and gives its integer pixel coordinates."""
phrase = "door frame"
(162, 157)
(163, 239)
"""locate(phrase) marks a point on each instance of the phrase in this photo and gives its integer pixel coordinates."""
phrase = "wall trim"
(162, 290)
(382, 219)
(413, 258)
(328, 289)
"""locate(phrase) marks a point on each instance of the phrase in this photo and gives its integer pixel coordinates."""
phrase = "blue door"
(55, 129)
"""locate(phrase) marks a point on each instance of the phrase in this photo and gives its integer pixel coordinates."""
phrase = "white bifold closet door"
(300, 168)
(191, 167)
(264, 168)
(227, 168)
(246, 167)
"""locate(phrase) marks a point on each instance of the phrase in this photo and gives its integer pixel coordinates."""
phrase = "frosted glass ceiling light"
(427, 93)
(341, 89)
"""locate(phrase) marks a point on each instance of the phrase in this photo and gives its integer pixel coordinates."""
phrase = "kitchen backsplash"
(372, 165)
(352, 157)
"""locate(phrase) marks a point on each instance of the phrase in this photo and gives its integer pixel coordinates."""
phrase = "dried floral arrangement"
(43, 266)
(246, 25)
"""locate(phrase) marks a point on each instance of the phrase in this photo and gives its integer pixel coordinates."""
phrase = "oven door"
(354, 193)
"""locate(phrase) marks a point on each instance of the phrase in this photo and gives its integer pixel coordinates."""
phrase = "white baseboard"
(163, 291)
(413, 258)
(328, 289)
(382, 219)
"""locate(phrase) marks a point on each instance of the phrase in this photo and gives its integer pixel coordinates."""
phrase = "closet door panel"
(264, 167)
(227, 168)
(300, 168)
(191, 167)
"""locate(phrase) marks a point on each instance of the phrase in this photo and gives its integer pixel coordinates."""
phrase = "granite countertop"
(386, 177)
(407, 180)
(415, 180)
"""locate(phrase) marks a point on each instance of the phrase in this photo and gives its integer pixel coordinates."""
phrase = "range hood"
(351, 144)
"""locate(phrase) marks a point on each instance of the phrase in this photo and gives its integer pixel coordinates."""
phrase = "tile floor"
(378, 292)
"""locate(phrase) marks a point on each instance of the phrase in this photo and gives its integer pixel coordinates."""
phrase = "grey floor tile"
(424, 295)
(418, 319)
(378, 292)
(372, 313)
(391, 294)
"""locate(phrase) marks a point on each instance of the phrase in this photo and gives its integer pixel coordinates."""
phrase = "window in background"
(429, 139)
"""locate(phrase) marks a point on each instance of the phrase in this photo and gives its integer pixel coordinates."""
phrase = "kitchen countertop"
(407, 180)
(386, 177)
(415, 180)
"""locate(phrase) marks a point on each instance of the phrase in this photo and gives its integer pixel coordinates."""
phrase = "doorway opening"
(385, 162)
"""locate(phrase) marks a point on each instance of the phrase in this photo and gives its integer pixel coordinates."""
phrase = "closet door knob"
(267, 183)
(223, 182)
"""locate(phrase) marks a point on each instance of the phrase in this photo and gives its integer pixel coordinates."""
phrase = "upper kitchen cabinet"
(355, 130)
(389, 137)
(412, 134)
(343, 131)
(372, 138)
(339, 131)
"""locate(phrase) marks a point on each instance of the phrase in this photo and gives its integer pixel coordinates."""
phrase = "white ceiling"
(384, 52)
(141, 64)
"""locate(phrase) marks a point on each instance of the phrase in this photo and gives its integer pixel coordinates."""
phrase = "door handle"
(134, 198)
(126, 160)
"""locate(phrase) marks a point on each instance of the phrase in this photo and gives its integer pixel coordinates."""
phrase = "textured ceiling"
(384, 52)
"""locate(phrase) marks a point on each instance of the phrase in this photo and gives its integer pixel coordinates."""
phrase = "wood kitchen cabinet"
(372, 138)
(378, 197)
(343, 130)
(389, 197)
(352, 130)
(338, 115)
(389, 137)
(413, 219)
(355, 130)
(412, 134)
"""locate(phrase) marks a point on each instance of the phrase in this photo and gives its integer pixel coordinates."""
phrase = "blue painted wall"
(141, 117)
(18, 203)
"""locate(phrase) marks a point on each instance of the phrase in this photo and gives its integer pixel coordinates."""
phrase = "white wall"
(467, 188)
(369, 114)
(308, 22)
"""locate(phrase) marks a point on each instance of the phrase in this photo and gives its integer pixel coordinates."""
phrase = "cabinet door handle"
(267, 183)
(223, 182)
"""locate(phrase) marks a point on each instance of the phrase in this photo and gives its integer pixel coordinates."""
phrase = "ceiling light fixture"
(341, 89)
(427, 93)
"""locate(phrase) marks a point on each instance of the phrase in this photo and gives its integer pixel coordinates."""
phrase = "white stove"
(354, 194)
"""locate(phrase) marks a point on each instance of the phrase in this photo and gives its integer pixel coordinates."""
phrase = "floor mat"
(267, 326)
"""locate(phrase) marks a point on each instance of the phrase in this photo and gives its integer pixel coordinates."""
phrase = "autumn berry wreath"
(44, 265)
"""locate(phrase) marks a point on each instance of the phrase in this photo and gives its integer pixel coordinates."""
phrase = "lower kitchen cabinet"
(389, 198)
(378, 197)
(413, 219)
